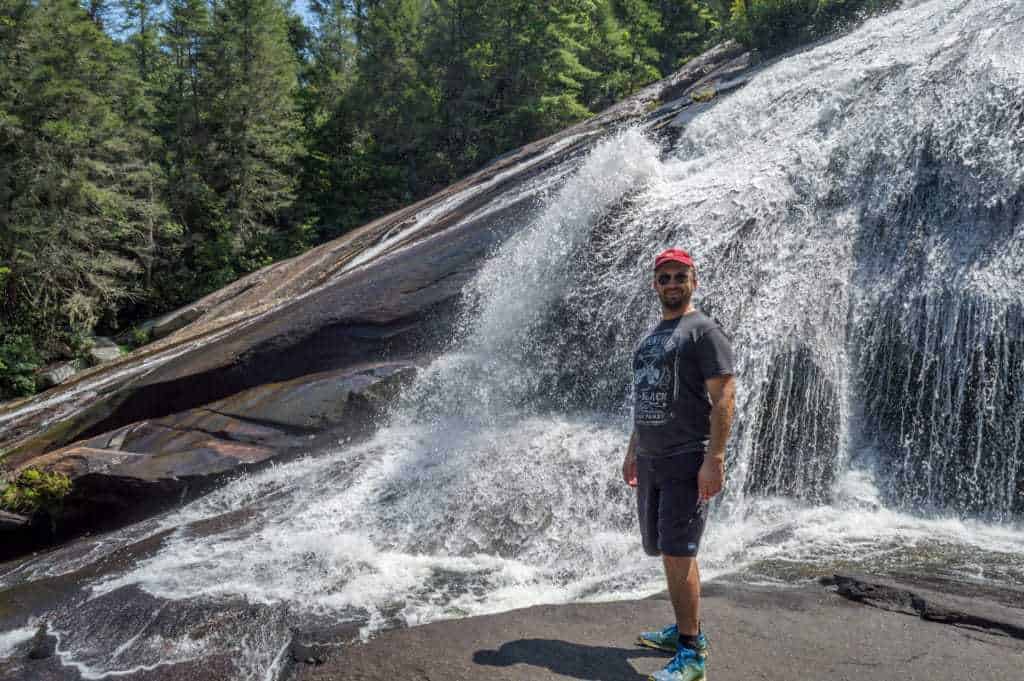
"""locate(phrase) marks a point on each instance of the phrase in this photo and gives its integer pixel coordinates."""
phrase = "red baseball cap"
(673, 255)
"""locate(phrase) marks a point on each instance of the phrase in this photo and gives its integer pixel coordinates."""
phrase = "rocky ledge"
(845, 627)
(835, 629)
(131, 472)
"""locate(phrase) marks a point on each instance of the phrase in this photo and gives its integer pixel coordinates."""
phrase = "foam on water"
(11, 641)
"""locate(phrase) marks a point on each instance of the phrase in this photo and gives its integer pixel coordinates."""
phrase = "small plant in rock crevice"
(34, 491)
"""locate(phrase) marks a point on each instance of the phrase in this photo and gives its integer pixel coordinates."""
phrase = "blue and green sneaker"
(687, 665)
(667, 639)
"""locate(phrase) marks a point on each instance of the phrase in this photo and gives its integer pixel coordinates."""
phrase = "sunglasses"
(678, 277)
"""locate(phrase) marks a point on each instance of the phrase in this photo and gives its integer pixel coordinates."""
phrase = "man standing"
(684, 398)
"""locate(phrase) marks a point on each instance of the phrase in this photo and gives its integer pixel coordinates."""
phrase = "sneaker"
(667, 639)
(685, 666)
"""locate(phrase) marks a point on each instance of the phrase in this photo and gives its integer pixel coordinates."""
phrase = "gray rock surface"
(172, 321)
(55, 374)
(103, 350)
(808, 633)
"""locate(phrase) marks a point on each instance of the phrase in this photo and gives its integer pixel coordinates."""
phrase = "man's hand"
(629, 468)
(710, 478)
(629, 464)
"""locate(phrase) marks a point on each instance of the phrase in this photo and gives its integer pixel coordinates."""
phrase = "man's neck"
(668, 315)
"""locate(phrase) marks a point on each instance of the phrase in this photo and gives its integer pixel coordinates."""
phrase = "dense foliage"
(152, 151)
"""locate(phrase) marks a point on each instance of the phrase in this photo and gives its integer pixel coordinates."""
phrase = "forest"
(154, 151)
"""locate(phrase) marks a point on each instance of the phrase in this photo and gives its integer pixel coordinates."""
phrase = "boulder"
(55, 374)
(321, 401)
(173, 321)
(43, 644)
(104, 350)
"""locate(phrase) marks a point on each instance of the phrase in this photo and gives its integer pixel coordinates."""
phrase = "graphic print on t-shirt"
(653, 378)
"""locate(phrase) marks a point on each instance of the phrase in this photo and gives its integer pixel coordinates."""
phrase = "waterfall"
(856, 213)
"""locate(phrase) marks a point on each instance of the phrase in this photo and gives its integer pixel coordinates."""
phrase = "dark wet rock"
(316, 646)
(12, 521)
(55, 374)
(43, 645)
(948, 608)
(808, 631)
(19, 534)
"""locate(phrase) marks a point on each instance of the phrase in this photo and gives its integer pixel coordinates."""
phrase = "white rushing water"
(855, 213)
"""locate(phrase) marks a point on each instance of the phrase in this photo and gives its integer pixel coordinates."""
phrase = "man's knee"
(684, 567)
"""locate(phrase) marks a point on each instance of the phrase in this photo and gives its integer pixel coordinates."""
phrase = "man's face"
(675, 283)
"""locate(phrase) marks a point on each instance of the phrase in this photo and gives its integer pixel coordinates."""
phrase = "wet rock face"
(796, 424)
(142, 468)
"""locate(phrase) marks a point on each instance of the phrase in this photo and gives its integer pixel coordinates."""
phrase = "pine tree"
(141, 20)
(458, 45)
(183, 116)
(329, 121)
(396, 98)
(12, 24)
(71, 227)
(144, 178)
(255, 128)
(620, 51)
(684, 29)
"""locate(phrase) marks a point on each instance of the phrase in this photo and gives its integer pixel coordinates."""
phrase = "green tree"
(620, 51)
(685, 29)
(330, 168)
(183, 116)
(144, 178)
(70, 229)
(255, 129)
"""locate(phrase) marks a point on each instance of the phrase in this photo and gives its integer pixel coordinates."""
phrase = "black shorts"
(671, 513)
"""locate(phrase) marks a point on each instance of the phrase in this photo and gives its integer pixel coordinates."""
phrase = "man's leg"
(683, 578)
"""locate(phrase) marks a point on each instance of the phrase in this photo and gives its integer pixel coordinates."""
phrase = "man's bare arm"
(629, 463)
(711, 478)
(722, 390)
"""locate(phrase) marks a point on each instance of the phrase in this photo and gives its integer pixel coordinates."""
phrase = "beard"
(675, 301)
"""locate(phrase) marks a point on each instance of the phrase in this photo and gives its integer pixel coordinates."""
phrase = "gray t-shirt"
(671, 409)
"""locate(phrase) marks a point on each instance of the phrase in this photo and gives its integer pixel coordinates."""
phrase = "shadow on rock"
(593, 663)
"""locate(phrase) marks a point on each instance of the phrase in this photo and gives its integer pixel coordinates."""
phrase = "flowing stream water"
(857, 216)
